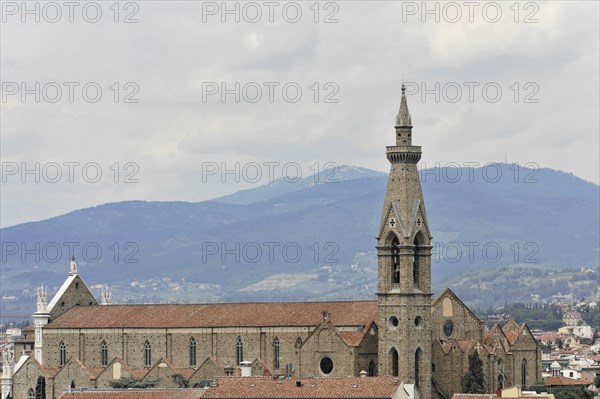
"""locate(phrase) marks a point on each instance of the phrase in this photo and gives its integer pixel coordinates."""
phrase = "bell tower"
(404, 266)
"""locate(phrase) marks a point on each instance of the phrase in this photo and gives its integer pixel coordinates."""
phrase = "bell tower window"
(395, 262)
(416, 263)
(395, 363)
(418, 355)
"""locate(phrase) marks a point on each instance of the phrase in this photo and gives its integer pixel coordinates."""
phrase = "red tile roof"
(564, 381)
(351, 313)
(171, 393)
(322, 388)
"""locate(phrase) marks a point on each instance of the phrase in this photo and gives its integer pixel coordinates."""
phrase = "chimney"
(246, 367)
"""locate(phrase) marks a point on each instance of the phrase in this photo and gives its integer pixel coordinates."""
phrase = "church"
(405, 333)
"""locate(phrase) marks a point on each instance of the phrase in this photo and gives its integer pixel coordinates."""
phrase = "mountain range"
(311, 238)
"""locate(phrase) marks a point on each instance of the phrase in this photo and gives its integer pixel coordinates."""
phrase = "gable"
(209, 369)
(324, 338)
(73, 371)
(404, 225)
(29, 369)
(72, 293)
(452, 319)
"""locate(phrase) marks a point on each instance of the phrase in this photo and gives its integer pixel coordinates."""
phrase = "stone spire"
(73, 270)
(403, 117)
(404, 266)
(42, 300)
(106, 296)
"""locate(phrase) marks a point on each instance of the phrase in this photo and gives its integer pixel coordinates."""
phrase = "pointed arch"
(419, 238)
(147, 354)
(104, 354)
(31, 394)
(524, 372)
(276, 353)
(395, 244)
(192, 352)
(62, 353)
(394, 362)
(298, 343)
(371, 371)
(418, 360)
(390, 237)
(239, 350)
(500, 381)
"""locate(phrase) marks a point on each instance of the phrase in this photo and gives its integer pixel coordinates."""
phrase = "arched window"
(104, 354)
(500, 381)
(395, 365)
(62, 354)
(147, 354)
(395, 262)
(298, 343)
(192, 352)
(371, 370)
(239, 350)
(418, 356)
(416, 243)
(276, 353)
(31, 394)
(524, 372)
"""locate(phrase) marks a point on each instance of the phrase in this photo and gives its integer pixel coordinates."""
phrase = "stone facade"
(402, 334)
(503, 350)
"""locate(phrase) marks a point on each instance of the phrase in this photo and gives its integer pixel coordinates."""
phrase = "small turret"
(40, 319)
(42, 300)
(106, 296)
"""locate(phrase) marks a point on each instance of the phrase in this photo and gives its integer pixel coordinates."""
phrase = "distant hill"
(247, 244)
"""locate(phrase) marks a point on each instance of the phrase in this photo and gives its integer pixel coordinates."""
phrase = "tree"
(131, 382)
(473, 381)
(597, 381)
(180, 380)
(559, 343)
(40, 388)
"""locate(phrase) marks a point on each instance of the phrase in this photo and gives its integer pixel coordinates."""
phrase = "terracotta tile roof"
(563, 381)
(354, 338)
(185, 372)
(138, 373)
(349, 313)
(465, 346)
(328, 387)
(135, 394)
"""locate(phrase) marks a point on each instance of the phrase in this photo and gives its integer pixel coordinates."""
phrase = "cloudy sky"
(152, 93)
